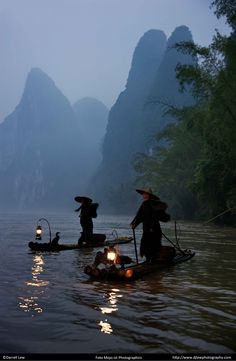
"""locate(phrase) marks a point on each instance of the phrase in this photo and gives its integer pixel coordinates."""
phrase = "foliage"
(170, 168)
(225, 8)
(197, 170)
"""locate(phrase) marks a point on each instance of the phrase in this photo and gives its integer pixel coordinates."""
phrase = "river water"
(48, 304)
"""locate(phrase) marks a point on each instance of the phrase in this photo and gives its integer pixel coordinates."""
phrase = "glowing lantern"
(111, 256)
(38, 232)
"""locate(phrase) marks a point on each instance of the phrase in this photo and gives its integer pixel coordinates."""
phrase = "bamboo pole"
(218, 215)
(135, 246)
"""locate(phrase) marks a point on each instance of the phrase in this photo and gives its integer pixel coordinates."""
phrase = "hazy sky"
(86, 46)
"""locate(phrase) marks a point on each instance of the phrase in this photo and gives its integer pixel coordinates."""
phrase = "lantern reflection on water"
(36, 289)
(28, 304)
(113, 296)
(37, 269)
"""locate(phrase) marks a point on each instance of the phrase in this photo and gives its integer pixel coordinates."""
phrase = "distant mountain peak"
(88, 101)
(37, 73)
(147, 56)
(37, 70)
(181, 33)
(41, 148)
(37, 78)
(40, 93)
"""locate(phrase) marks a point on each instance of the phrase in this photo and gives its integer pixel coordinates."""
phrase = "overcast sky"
(86, 46)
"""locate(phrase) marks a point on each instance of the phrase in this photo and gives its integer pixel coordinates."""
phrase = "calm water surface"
(49, 305)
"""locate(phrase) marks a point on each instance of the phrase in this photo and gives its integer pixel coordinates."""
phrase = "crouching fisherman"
(111, 257)
(108, 263)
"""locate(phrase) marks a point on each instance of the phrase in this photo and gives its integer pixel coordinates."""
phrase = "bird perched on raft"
(56, 239)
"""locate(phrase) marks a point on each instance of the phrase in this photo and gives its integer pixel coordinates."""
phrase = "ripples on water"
(49, 305)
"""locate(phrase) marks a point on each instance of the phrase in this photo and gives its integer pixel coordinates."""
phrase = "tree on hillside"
(200, 161)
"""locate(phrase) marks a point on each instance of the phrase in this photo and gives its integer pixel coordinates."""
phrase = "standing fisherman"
(151, 211)
(87, 212)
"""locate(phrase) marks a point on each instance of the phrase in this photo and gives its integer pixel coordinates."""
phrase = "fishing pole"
(177, 247)
(218, 215)
(135, 246)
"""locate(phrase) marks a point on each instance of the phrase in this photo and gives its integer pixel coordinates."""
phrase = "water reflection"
(105, 327)
(29, 304)
(36, 285)
(112, 300)
(37, 269)
(168, 311)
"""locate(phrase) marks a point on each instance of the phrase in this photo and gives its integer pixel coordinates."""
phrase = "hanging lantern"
(38, 233)
(39, 230)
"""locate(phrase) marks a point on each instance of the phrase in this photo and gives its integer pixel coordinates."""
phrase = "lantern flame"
(38, 232)
(111, 256)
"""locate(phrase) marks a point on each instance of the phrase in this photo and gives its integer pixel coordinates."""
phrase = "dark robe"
(149, 214)
(86, 223)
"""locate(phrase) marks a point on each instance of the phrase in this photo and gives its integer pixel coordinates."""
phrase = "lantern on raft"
(109, 263)
(38, 233)
(39, 230)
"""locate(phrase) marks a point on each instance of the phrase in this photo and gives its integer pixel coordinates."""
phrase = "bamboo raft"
(135, 271)
(102, 242)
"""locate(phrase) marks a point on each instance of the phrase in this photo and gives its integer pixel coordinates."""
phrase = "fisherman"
(56, 239)
(88, 210)
(151, 211)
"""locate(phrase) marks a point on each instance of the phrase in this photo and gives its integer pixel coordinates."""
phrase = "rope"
(174, 245)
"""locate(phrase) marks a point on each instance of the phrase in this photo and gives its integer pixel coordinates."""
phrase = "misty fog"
(75, 76)
(86, 46)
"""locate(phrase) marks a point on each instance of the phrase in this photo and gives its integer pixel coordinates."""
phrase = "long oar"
(174, 245)
(135, 246)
